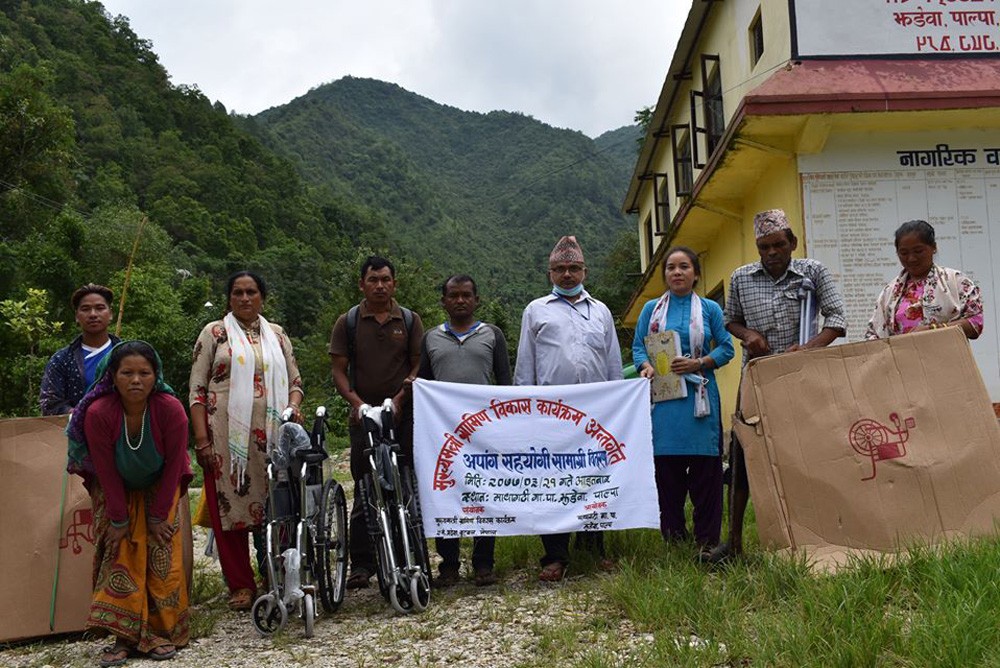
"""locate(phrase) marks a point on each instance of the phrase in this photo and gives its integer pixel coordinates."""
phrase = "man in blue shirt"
(70, 371)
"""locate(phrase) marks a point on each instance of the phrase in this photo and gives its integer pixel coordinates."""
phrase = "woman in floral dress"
(925, 295)
(242, 378)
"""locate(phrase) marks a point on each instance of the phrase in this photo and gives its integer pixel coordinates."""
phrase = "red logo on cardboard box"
(82, 528)
(876, 441)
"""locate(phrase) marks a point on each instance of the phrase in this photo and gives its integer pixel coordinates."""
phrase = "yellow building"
(853, 116)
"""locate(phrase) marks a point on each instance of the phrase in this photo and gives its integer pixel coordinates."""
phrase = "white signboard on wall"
(861, 188)
(894, 27)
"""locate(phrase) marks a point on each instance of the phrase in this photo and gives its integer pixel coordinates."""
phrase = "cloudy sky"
(580, 64)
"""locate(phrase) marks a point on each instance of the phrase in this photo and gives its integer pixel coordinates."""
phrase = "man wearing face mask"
(567, 337)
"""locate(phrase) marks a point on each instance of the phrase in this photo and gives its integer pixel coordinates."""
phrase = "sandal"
(161, 653)
(241, 600)
(553, 572)
(114, 655)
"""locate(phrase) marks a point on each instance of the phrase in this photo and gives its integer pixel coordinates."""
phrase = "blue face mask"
(572, 292)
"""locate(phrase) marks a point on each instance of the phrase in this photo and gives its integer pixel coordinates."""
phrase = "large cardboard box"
(33, 536)
(35, 542)
(870, 447)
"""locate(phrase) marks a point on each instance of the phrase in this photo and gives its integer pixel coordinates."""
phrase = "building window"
(756, 34)
(715, 118)
(647, 228)
(706, 104)
(661, 192)
(683, 165)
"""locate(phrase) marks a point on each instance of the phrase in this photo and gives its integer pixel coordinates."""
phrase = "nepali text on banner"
(515, 460)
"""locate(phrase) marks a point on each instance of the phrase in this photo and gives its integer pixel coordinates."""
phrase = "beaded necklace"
(142, 431)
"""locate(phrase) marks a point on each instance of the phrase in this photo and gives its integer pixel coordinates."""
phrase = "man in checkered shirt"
(762, 311)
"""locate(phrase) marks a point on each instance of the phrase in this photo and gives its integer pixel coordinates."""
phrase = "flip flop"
(241, 599)
(114, 650)
(162, 656)
(553, 572)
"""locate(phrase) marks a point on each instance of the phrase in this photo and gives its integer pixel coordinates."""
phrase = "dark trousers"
(360, 544)
(482, 553)
(557, 545)
(700, 476)
(739, 494)
(739, 488)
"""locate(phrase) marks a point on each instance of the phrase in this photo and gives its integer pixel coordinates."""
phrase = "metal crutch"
(807, 311)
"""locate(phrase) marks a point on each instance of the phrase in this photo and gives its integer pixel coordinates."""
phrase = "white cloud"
(582, 64)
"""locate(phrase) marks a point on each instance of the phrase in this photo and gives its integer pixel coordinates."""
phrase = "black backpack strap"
(352, 332)
(407, 320)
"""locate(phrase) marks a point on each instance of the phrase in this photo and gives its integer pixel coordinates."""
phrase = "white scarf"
(241, 389)
(696, 339)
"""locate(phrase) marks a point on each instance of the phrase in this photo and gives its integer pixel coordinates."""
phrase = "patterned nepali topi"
(566, 250)
(769, 222)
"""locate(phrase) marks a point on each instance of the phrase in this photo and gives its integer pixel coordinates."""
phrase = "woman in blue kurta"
(687, 432)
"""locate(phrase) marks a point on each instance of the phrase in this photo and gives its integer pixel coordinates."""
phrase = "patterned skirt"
(140, 596)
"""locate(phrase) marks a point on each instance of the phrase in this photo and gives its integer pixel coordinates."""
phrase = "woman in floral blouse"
(243, 377)
(925, 295)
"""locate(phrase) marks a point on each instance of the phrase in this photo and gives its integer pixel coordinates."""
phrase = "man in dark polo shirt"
(375, 353)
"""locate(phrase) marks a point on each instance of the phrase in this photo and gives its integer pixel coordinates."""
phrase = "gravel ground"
(500, 626)
(465, 625)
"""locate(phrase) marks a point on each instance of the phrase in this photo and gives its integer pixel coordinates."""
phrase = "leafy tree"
(94, 137)
(615, 279)
(27, 321)
(152, 310)
(28, 318)
(36, 148)
(643, 117)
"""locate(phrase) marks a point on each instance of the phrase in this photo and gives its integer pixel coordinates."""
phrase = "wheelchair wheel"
(308, 614)
(330, 554)
(420, 589)
(400, 588)
(269, 614)
(273, 562)
(376, 536)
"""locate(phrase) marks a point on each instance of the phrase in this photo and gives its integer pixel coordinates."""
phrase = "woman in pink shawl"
(925, 295)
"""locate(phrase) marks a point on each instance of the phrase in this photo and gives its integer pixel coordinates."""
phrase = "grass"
(938, 608)
(208, 600)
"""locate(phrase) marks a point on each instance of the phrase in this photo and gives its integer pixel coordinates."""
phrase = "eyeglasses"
(567, 268)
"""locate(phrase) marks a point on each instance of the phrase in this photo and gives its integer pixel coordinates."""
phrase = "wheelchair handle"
(319, 427)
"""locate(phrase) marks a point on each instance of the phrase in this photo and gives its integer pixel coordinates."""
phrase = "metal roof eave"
(679, 68)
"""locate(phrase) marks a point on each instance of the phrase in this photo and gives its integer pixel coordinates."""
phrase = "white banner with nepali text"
(516, 460)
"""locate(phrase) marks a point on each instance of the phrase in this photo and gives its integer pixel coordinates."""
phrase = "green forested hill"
(483, 193)
(93, 137)
(95, 142)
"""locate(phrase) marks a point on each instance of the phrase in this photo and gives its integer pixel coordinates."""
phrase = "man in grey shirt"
(464, 350)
